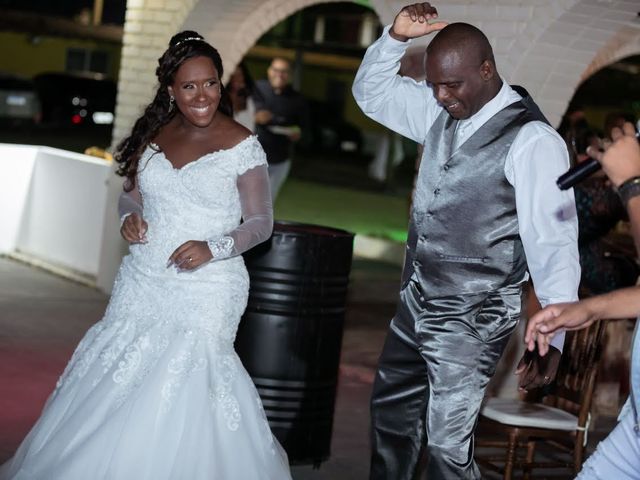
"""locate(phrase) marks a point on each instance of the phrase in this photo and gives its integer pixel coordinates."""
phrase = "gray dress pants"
(437, 359)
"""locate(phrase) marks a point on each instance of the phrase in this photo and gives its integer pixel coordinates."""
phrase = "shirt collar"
(505, 96)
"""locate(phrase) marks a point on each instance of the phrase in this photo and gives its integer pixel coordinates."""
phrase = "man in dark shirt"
(281, 115)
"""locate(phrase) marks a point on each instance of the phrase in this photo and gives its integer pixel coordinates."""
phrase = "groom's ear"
(487, 70)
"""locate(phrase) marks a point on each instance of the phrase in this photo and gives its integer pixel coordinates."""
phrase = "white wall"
(54, 204)
(16, 169)
(113, 245)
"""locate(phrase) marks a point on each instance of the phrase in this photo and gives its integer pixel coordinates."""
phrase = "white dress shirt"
(538, 156)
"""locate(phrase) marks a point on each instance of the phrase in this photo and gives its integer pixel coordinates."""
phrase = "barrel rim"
(298, 228)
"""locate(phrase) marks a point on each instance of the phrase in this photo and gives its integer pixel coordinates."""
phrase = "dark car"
(70, 99)
(19, 102)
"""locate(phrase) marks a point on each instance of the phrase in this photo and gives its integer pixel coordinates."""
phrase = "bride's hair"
(182, 46)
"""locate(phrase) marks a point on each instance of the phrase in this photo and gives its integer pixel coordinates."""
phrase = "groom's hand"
(536, 370)
(413, 21)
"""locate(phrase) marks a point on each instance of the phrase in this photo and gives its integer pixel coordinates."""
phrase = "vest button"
(429, 213)
(446, 168)
(423, 238)
(436, 191)
(416, 263)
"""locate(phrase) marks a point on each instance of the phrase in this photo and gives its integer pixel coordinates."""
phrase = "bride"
(155, 390)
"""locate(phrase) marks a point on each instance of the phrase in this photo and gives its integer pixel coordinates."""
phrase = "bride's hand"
(134, 229)
(190, 255)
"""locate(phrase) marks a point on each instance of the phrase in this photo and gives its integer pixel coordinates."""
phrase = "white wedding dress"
(155, 389)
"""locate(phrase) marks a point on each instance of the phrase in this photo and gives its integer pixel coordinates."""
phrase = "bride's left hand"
(190, 255)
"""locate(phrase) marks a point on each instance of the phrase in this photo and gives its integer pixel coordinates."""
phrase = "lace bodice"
(199, 201)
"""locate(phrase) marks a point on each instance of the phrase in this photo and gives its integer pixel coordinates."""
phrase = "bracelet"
(628, 189)
(221, 247)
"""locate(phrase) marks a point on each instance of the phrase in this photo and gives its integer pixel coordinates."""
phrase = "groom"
(485, 212)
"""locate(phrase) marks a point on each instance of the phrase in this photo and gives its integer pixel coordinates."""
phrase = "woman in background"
(241, 92)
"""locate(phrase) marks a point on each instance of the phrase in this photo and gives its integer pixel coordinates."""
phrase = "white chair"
(560, 418)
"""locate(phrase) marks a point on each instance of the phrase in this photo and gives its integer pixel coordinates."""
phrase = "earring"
(171, 103)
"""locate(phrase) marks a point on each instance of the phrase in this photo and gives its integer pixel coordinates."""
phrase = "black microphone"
(582, 170)
(578, 173)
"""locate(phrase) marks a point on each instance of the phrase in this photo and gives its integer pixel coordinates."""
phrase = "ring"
(189, 260)
(546, 379)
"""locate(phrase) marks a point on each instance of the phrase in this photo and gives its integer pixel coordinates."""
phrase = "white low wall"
(16, 170)
(52, 206)
(58, 210)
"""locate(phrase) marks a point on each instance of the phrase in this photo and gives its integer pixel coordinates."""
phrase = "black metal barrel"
(290, 336)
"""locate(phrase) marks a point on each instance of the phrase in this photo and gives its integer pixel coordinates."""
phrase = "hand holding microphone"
(576, 174)
(621, 161)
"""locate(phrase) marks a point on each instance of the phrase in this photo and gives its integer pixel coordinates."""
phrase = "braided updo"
(182, 46)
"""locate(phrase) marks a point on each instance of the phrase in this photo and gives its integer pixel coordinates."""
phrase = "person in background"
(618, 455)
(571, 128)
(605, 266)
(614, 120)
(281, 118)
(241, 91)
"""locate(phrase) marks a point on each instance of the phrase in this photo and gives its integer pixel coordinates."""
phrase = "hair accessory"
(188, 39)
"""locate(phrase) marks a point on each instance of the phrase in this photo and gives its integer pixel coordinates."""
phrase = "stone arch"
(560, 51)
(625, 44)
(232, 27)
(549, 47)
(236, 29)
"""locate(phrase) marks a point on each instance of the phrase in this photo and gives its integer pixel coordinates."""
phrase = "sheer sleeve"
(129, 202)
(257, 215)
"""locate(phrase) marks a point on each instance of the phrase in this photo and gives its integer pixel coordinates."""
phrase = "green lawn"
(364, 213)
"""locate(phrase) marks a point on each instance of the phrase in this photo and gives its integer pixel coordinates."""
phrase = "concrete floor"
(42, 312)
(42, 317)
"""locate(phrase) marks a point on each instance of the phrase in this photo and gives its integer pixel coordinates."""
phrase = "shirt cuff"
(390, 44)
(221, 247)
(558, 340)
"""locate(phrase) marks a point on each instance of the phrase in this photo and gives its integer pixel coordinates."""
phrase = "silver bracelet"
(221, 247)
(629, 189)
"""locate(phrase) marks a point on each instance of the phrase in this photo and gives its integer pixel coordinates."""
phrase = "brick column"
(149, 24)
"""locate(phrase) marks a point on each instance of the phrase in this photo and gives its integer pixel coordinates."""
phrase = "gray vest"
(463, 235)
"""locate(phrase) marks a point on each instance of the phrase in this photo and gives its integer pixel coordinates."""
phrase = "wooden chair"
(559, 419)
